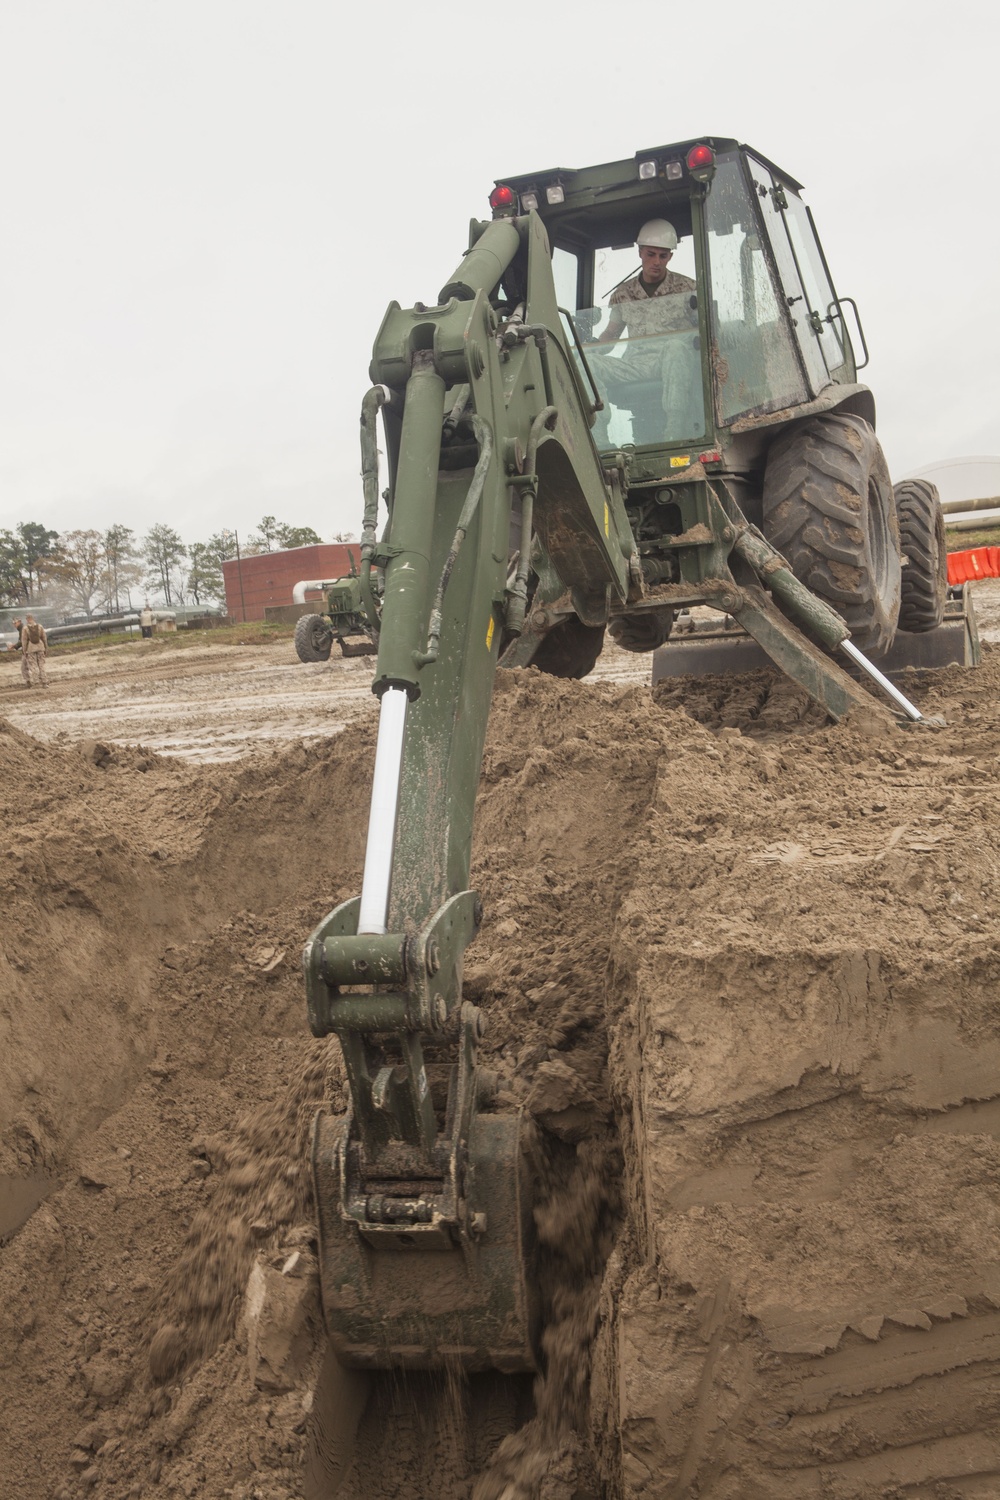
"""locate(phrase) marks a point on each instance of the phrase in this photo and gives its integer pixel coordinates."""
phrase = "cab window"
(755, 360)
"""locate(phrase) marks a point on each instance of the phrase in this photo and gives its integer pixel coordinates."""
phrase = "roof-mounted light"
(529, 202)
(701, 163)
(647, 170)
(502, 198)
(673, 171)
(555, 193)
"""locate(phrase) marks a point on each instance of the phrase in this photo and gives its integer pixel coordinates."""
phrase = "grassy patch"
(253, 633)
(91, 643)
(962, 541)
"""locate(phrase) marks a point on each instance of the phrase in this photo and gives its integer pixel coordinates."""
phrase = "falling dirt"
(740, 972)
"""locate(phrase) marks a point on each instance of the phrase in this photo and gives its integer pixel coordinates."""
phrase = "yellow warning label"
(680, 461)
(489, 634)
(607, 520)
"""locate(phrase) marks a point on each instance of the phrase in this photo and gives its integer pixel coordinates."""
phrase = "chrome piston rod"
(897, 697)
(382, 817)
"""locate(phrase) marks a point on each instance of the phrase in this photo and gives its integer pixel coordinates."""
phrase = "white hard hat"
(659, 233)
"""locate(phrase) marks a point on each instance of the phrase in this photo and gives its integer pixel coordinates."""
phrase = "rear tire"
(570, 649)
(925, 555)
(829, 509)
(313, 638)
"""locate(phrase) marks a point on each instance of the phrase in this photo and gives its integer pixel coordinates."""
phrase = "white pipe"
(382, 817)
(883, 681)
(304, 584)
(971, 520)
(989, 502)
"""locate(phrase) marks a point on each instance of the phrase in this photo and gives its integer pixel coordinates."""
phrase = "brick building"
(253, 583)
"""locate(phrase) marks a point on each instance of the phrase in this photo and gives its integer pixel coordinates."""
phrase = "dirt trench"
(740, 972)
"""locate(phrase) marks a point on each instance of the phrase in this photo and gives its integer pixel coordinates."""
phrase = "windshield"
(644, 351)
(649, 376)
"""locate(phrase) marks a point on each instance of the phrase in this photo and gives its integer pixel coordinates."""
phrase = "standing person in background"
(34, 649)
(18, 624)
(146, 622)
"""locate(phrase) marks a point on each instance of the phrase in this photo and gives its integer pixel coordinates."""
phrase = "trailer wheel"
(570, 649)
(925, 555)
(829, 509)
(313, 638)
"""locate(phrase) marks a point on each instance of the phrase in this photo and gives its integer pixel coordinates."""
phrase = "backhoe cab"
(548, 480)
(742, 385)
(763, 310)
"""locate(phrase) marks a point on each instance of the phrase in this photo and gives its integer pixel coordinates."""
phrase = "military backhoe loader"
(537, 497)
(342, 621)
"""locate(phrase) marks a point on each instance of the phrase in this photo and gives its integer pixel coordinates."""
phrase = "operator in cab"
(656, 243)
(656, 314)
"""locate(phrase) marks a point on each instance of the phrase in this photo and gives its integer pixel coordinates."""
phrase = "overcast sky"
(208, 204)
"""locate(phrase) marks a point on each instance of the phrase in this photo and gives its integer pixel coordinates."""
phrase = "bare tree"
(163, 551)
(122, 563)
(80, 566)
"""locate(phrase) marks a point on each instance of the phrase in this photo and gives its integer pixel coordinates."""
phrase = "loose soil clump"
(740, 974)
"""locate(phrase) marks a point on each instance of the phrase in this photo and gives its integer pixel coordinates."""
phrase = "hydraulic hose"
(373, 402)
(518, 603)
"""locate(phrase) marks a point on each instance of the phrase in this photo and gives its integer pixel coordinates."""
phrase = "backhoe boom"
(420, 1162)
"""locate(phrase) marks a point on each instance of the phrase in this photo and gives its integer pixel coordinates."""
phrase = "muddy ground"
(740, 969)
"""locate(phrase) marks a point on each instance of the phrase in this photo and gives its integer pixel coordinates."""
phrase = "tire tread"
(816, 492)
(925, 569)
(307, 647)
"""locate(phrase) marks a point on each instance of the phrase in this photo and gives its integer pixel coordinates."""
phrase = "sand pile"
(740, 972)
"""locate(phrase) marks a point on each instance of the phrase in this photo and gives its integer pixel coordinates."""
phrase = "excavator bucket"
(417, 1297)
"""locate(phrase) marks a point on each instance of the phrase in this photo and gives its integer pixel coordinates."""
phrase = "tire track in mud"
(207, 704)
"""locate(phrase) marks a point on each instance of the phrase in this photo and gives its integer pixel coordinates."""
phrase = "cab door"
(812, 303)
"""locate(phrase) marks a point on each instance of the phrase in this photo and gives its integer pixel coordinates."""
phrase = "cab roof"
(610, 175)
(602, 202)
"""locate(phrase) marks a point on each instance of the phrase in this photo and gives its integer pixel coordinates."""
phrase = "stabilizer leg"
(804, 662)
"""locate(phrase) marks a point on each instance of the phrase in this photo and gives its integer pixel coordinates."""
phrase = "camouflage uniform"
(638, 310)
(33, 653)
(673, 361)
(19, 626)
